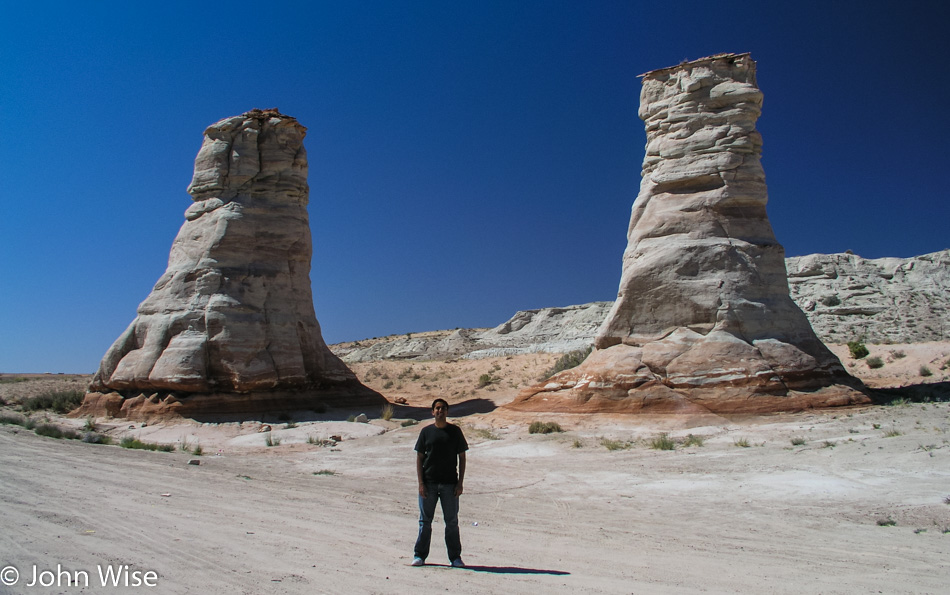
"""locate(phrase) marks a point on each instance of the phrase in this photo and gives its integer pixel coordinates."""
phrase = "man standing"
(439, 447)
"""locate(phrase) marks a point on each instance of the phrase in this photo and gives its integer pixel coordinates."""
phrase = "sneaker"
(457, 563)
(418, 562)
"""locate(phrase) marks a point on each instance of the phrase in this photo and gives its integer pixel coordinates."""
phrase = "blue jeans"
(445, 493)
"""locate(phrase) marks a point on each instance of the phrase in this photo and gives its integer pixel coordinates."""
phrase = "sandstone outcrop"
(881, 300)
(546, 330)
(703, 320)
(230, 327)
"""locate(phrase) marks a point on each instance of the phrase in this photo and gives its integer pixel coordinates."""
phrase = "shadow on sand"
(468, 407)
(504, 569)
(915, 393)
(342, 412)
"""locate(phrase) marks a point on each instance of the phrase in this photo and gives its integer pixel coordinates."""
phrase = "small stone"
(194, 462)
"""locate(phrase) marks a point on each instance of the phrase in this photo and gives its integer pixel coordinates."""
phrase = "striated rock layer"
(546, 330)
(703, 320)
(230, 327)
(880, 300)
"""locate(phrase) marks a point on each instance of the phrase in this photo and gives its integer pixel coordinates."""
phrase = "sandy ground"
(859, 504)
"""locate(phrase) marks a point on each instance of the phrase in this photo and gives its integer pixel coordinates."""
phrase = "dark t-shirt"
(440, 447)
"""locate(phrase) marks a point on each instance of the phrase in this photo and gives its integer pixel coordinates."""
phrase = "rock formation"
(230, 327)
(703, 320)
(845, 297)
(546, 330)
(884, 300)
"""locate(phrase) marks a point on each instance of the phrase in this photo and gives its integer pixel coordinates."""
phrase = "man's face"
(439, 411)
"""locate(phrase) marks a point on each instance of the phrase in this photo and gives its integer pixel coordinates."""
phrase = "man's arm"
(422, 484)
(458, 486)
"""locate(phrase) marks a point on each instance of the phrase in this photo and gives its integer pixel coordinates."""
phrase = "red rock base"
(617, 380)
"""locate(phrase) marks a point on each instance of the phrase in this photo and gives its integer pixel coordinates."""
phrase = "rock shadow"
(469, 407)
(916, 393)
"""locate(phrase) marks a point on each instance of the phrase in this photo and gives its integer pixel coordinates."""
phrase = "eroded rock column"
(703, 320)
(233, 314)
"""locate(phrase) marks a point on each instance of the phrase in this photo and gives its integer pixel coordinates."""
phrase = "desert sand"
(859, 503)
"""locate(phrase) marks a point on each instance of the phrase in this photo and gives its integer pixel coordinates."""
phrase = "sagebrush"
(568, 361)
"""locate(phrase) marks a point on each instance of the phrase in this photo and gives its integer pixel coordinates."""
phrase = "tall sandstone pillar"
(230, 327)
(703, 320)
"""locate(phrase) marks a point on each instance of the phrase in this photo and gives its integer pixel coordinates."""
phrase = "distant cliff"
(844, 296)
(884, 300)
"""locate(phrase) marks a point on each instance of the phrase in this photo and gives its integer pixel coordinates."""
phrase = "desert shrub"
(875, 362)
(692, 440)
(53, 431)
(925, 371)
(58, 401)
(857, 349)
(12, 420)
(899, 354)
(389, 384)
(577, 443)
(611, 444)
(798, 441)
(662, 442)
(892, 433)
(271, 440)
(485, 434)
(831, 300)
(742, 442)
(197, 450)
(136, 444)
(96, 438)
(568, 361)
(887, 522)
(48, 430)
(325, 472)
(387, 412)
(486, 379)
(544, 427)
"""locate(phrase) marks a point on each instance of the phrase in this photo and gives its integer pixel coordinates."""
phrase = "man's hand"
(419, 477)
(458, 486)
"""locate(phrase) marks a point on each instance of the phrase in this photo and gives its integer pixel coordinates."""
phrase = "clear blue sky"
(467, 159)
